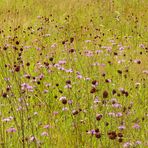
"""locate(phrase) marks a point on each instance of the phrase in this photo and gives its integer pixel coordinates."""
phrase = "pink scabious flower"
(11, 130)
(108, 49)
(19, 108)
(70, 101)
(98, 51)
(7, 79)
(87, 79)
(54, 45)
(62, 62)
(127, 145)
(145, 72)
(119, 114)
(44, 134)
(45, 91)
(137, 61)
(68, 70)
(47, 126)
(138, 142)
(64, 109)
(142, 46)
(55, 113)
(116, 105)
(62, 98)
(113, 100)
(92, 132)
(79, 76)
(7, 119)
(136, 126)
(112, 114)
(32, 138)
(41, 76)
(61, 68)
(96, 101)
(121, 127)
(88, 53)
(27, 47)
(121, 48)
(57, 65)
(68, 86)
(27, 87)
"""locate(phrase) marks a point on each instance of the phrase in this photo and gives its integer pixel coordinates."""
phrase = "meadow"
(73, 73)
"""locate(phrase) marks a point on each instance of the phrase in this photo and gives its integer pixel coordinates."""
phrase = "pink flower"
(119, 114)
(62, 62)
(136, 126)
(92, 132)
(68, 86)
(7, 119)
(79, 76)
(127, 144)
(11, 130)
(138, 142)
(122, 127)
(112, 114)
(27, 87)
(32, 138)
(55, 113)
(47, 126)
(44, 134)
(117, 105)
(69, 70)
(70, 101)
(64, 109)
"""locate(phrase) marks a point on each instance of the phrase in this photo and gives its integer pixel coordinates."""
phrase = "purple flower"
(62, 62)
(138, 142)
(121, 48)
(11, 130)
(69, 70)
(145, 71)
(32, 138)
(127, 144)
(55, 113)
(70, 101)
(117, 105)
(121, 127)
(54, 45)
(142, 46)
(44, 134)
(119, 114)
(136, 126)
(64, 109)
(68, 86)
(62, 98)
(27, 87)
(92, 132)
(7, 119)
(112, 114)
(79, 76)
(98, 51)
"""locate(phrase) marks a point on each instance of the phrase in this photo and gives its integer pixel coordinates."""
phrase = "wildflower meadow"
(73, 73)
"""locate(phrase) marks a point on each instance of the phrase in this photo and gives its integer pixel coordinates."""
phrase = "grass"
(73, 73)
